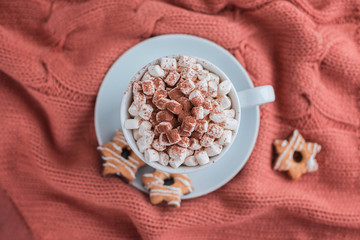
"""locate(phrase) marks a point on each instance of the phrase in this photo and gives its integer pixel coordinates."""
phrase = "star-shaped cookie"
(296, 156)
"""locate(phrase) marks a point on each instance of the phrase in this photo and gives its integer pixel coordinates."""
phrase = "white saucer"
(107, 108)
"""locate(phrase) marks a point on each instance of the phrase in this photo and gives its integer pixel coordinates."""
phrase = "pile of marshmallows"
(182, 114)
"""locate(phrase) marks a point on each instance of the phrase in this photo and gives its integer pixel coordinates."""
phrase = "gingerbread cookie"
(296, 156)
(119, 158)
(170, 193)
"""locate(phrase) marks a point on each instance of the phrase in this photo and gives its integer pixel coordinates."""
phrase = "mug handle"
(256, 96)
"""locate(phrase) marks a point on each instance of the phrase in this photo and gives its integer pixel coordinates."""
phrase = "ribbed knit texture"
(55, 54)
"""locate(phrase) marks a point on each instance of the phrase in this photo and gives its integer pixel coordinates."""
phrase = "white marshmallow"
(214, 77)
(225, 137)
(214, 149)
(144, 126)
(188, 74)
(186, 61)
(178, 153)
(189, 152)
(195, 93)
(168, 63)
(202, 86)
(148, 137)
(136, 134)
(145, 111)
(217, 117)
(195, 145)
(230, 113)
(131, 124)
(175, 163)
(141, 144)
(224, 87)
(201, 157)
(197, 67)
(157, 146)
(151, 155)
(163, 158)
(224, 102)
(199, 113)
(139, 100)
(206, 112)
(190, 161)
(156, 71)
(230, 124)
(147, 76)
(133, 110)
(203, 75)
(161, 140)
(212, 88)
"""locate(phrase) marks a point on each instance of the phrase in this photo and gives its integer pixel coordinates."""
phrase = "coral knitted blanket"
(53, 57)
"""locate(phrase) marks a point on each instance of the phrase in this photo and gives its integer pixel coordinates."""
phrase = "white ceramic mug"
(239, 100)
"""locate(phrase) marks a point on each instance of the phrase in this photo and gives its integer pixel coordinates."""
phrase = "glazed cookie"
(170, 193)
(296, 156)
(119, 158)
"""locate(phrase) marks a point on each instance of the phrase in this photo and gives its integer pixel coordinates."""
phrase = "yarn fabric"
(54, 56)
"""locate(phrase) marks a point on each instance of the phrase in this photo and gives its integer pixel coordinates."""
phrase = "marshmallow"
(197, 135)
(144, 126)
(230, 124)
(215, 106)
(202, 86)
(186, 61)
(148, 137)
(194, 144)
(173, 136)
(187, 86)
(188, 124)
(201, 126)
(196, 98)
(186, 104)
(163, 158)
(189, 152)
(157, 146)
(174, 107)
(159, 94)
(217, 117)
(206, 140)
(197, 67)
(225, 137)
(229, 113)
(206, 112)
(198, 112)
(190, 161)
(163, 127)
(147, 76)
(136, 87)
(214, 149)
(161, 103)
(175, 163)
(175, 94)
(139, 100)
(133, 110)
(164, 116)
(201, 157)
(172, 78)
(207, 104)
(159, 84)
(188, 74)
(142, 145)
(131, 124)
(184, 142)
(151, 155)
(224, 87)
(215, 130)
(163, 140)
(212, 88)
(145, 111)
(184, 133)
(156, 71)
(214, 77)
(136, 134)
(168, 63)
(148, 87)
(224, 102)
(203, 75)
(177, 153)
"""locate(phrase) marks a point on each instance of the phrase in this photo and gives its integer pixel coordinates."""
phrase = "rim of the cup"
(129, 135)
